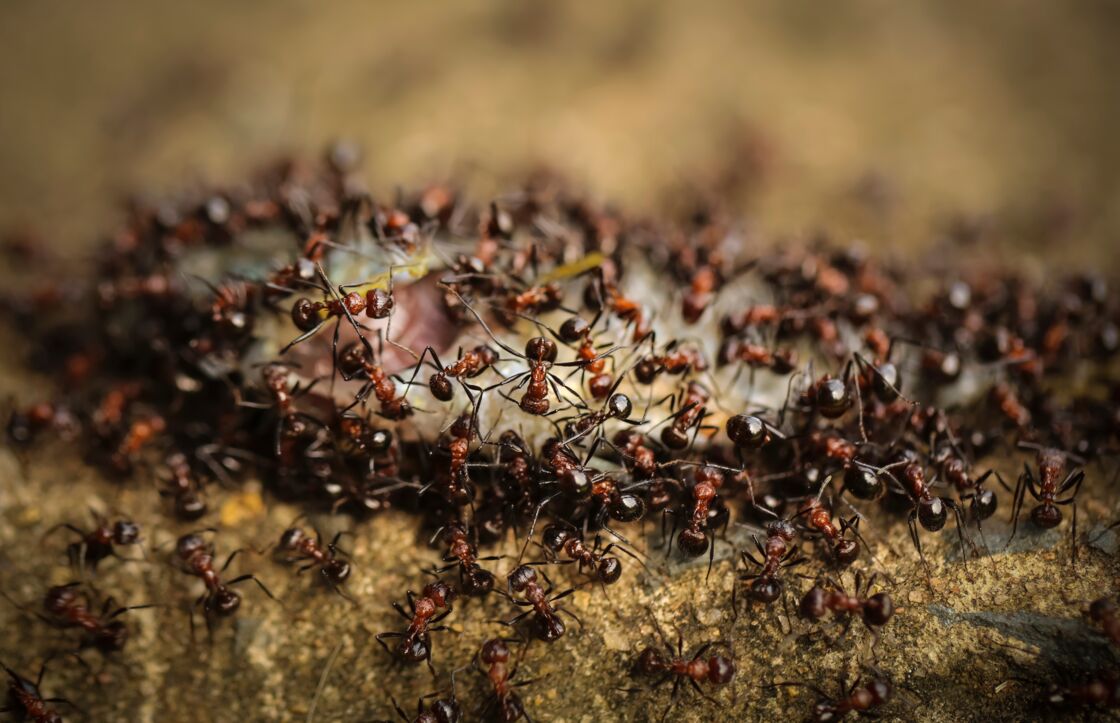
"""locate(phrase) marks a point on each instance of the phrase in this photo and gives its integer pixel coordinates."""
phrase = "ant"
(184, 487)
(358, 359)
(463, 553)
(333, 569)
(25, 425)
(692, 412)
(982, 501)
(818, 518)
(1047, 489)
(928, 509)
(469, 364)
(564, 537)
(748, 432)
(504, 701)
(780, 362)
(196, 557)
(617, 406)
(139, 433)
(548, 625)
(575, 330)
(68, 607)
(440, 710)
(458, 490)
(640, 460)
(875, 611)
(675, 360)
(293, 424)
(877, 691)
(97, 544)
(416, 643)
(26, 700)
(1106, 613)
(715, 669)
(602, 293)
(707, 511)
(581, 484)
(777, 553)
(310, 316)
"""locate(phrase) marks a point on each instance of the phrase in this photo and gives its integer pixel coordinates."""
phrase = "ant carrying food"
(416, 643)
(333, 569)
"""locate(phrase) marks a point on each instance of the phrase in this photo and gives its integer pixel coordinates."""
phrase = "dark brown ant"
(458, 489)
(309, 316)
(617, 406)
(333, 569)
(535, 300)
(580, 484)
(462, 553)
(416, 643)
(184, 488)
(777, 553)
(603, 567)
(640, 460)
(546, 619)
(97, 544)
(26, 701)
(829, 397)
(504, 703)
(68, 607)
(694, 540)
(861, 699)
(603, 293)
(675, 360)
(875, 611)
(1046, 490)
(196, 557)
(440, 710)
(24, 425)
(691, 413)
(292, 424)
(469, 364)
(929, 510)
(1106, 613)
(819, 519)
(357, 359)
(748, 432)
(673, 665)
(781, 361)
(577, 331)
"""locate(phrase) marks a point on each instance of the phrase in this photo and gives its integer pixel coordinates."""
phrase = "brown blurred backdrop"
(873, 118)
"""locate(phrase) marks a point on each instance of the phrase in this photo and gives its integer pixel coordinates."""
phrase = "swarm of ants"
(544, 371)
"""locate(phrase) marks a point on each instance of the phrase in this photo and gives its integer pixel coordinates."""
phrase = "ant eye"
(540, 349)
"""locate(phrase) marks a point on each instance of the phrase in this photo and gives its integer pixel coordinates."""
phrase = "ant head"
(878, 609)
(126, 532)
(766, 590)
(440, 593)
(441, 387)
(379, 303)
(933, 514)
(336, 571)
(554, 536)
(224, 602)
(540, 349)
(521, 578)
(628, 508)
(619, 405)
(575, 483)
(721, 670)
(692, 542)
(461, 427)
(813, 603)
(832, 398)
(189, 544)
(610, 570)
(574, 329)
(846, 551)
(747, 431)
(291, 537)
(352, 359)
(1046, 516)
(112, 637)
(305, 314)
(494, 651)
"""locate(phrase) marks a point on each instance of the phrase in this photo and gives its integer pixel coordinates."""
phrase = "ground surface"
(881, 121)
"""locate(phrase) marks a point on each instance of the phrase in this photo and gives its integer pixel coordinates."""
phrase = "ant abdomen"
(932, 513)
(627, 508)
(766, 590)
(1046, 516)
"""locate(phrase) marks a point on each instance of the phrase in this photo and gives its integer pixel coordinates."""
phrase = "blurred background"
(892, 122)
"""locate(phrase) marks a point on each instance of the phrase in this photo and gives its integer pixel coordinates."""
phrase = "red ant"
(699, 296)
(97, 544)
(858, 698)
(781, 361)
(1047, 489)
(463, 554)
(440, 710)
(715, 669)
(691, 414)
(777, 553)
(1010, 406)
(333, 569)
(292, 424)
(1106, 613)
(469, 364)
(819, 519)
(564, 537)
(576, 330)
(602, 293)
(875, 611)
(675, 360)
(617, 406)
(184, 487)
(707, 511)
(547, 623)
(139, 433)
(358, 359)
(929, 510)
(640, 460)
(26, 700)
(309, 316)
(504, 701)
(416, 641)
(196, 557)
(70, 608)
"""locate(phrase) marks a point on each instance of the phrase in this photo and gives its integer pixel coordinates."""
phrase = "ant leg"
(229, 559)
(912, 521)
(960, 525)
(1017, 505)
(252, 577)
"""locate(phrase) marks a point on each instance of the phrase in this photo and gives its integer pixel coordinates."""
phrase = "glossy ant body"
(673, 664)
(875, 610)
(68, 607)
(470, 364)
(691, 414)
(25, 699)
(777, 553)
(929, 510)
(675, 360)
(462, 553)
(504, 701)
(99, 543)
(603, 567)
(357, 359)
(308, 550)
(1047, 490)
(196, 557)
(577, 331)
(546, 619)
(617, 406)
(580, 485)
(184, 488)
(706, 514)
(416, 643)
(819, 519)
(440, 710)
